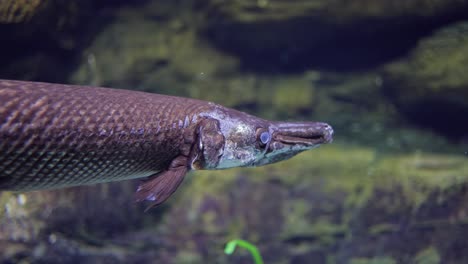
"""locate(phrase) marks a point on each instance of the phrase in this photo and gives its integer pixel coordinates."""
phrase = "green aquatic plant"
(231, 246)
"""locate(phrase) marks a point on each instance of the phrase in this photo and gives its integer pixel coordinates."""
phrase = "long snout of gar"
(305, 133)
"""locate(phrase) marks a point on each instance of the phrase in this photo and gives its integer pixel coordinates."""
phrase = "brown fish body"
(54, 135)
(57, 135)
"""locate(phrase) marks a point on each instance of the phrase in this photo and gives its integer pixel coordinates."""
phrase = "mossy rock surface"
(41, 38)
(436, 68)
(337, 35)
(338, 202)
(176, 61)
(251, 11)
(431, 85)
(335, 203)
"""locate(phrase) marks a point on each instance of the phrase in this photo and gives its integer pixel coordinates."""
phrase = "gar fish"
(54, 135)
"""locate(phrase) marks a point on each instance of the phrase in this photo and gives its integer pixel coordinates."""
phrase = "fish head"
(251, 141)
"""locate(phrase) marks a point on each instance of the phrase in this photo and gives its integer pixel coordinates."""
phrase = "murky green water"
(391, 78)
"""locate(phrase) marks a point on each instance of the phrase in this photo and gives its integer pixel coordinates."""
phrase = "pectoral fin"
(159, 187)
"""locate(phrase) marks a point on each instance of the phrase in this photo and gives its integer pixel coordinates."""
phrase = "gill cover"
(209, 145)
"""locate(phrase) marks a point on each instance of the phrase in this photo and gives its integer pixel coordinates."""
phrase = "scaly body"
(54, 135)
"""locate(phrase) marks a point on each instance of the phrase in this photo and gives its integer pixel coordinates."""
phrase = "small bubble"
(201, 76)
(52, 238)
(91, 59)
(378, 81)
(22, 199)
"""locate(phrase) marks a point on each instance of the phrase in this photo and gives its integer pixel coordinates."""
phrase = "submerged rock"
(338, 35)
(67, 225)
(338, 202)
(431, 85)
(40, 38)
(336, 207)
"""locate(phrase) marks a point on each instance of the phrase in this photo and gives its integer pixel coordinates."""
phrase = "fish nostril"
(328, 129)
(326, 133)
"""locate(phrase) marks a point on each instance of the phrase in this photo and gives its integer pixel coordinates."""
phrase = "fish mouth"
(303, 133)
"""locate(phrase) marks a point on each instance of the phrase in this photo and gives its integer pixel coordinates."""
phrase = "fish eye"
(265, 137)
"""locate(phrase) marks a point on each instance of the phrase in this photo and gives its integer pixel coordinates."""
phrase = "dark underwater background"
(391, 77)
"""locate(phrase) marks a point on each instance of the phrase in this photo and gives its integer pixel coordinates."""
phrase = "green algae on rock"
(436, 68)
(428, 255)
(320, 207)
(338, 35)
(431, 84)
(373, 260)
(344, 197)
